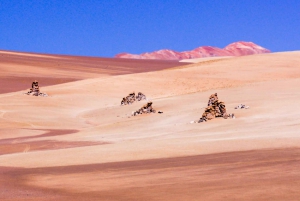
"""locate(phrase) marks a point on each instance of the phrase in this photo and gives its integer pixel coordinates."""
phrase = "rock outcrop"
(234, 49)
(214, 109)
(147, 108)
(131, 98)
(35, 90)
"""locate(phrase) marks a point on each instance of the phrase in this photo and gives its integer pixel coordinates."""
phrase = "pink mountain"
(233, 49)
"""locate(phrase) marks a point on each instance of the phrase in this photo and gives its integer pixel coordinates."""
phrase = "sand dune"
(80, 144)
(17, 68)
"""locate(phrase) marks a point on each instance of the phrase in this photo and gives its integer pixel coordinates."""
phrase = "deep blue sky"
(107, 27)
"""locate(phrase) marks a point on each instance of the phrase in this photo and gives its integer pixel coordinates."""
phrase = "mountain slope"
(234, 49)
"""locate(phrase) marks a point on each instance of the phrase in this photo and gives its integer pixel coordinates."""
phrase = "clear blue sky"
(105, 28)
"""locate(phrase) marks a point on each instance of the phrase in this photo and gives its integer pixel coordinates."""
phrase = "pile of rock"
(215, 108)
(147, 108)
(35, 90)
(128, 99)
(140, 96)
(131, 98)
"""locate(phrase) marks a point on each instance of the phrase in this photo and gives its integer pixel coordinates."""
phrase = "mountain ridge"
(240, 48)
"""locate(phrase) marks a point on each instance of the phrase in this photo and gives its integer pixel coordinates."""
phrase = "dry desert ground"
(80, 144)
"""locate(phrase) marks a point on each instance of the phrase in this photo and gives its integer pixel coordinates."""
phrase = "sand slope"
(79, 143)
(17, 69)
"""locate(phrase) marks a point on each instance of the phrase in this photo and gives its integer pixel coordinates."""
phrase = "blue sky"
(105, 28)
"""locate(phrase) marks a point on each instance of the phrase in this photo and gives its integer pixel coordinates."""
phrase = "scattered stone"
(131, 98)
(147, 108)
(128, 99)
(140, 96)
(242, 106)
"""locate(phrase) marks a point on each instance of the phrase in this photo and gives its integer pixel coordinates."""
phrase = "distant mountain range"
(234, 49)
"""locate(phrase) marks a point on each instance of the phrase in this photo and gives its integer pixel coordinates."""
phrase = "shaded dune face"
(25, 144)
(39, 145)
(229, 176)
(49, 133)
(18, 70)
(12, 84)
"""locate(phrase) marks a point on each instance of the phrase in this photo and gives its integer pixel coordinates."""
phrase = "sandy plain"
(80, 144)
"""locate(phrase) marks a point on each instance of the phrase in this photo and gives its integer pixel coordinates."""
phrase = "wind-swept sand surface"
(80, 144)
(18, 69)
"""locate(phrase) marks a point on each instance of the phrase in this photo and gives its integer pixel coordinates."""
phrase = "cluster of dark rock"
(147, 108)
(140, 96)
(131, 98)
(214, 109)
(35, 90)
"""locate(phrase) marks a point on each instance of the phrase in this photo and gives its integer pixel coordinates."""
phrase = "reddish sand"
(18, 70)
(80, 144)
(250, 175)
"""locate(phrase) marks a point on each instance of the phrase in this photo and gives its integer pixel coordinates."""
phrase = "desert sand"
(80, 144)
